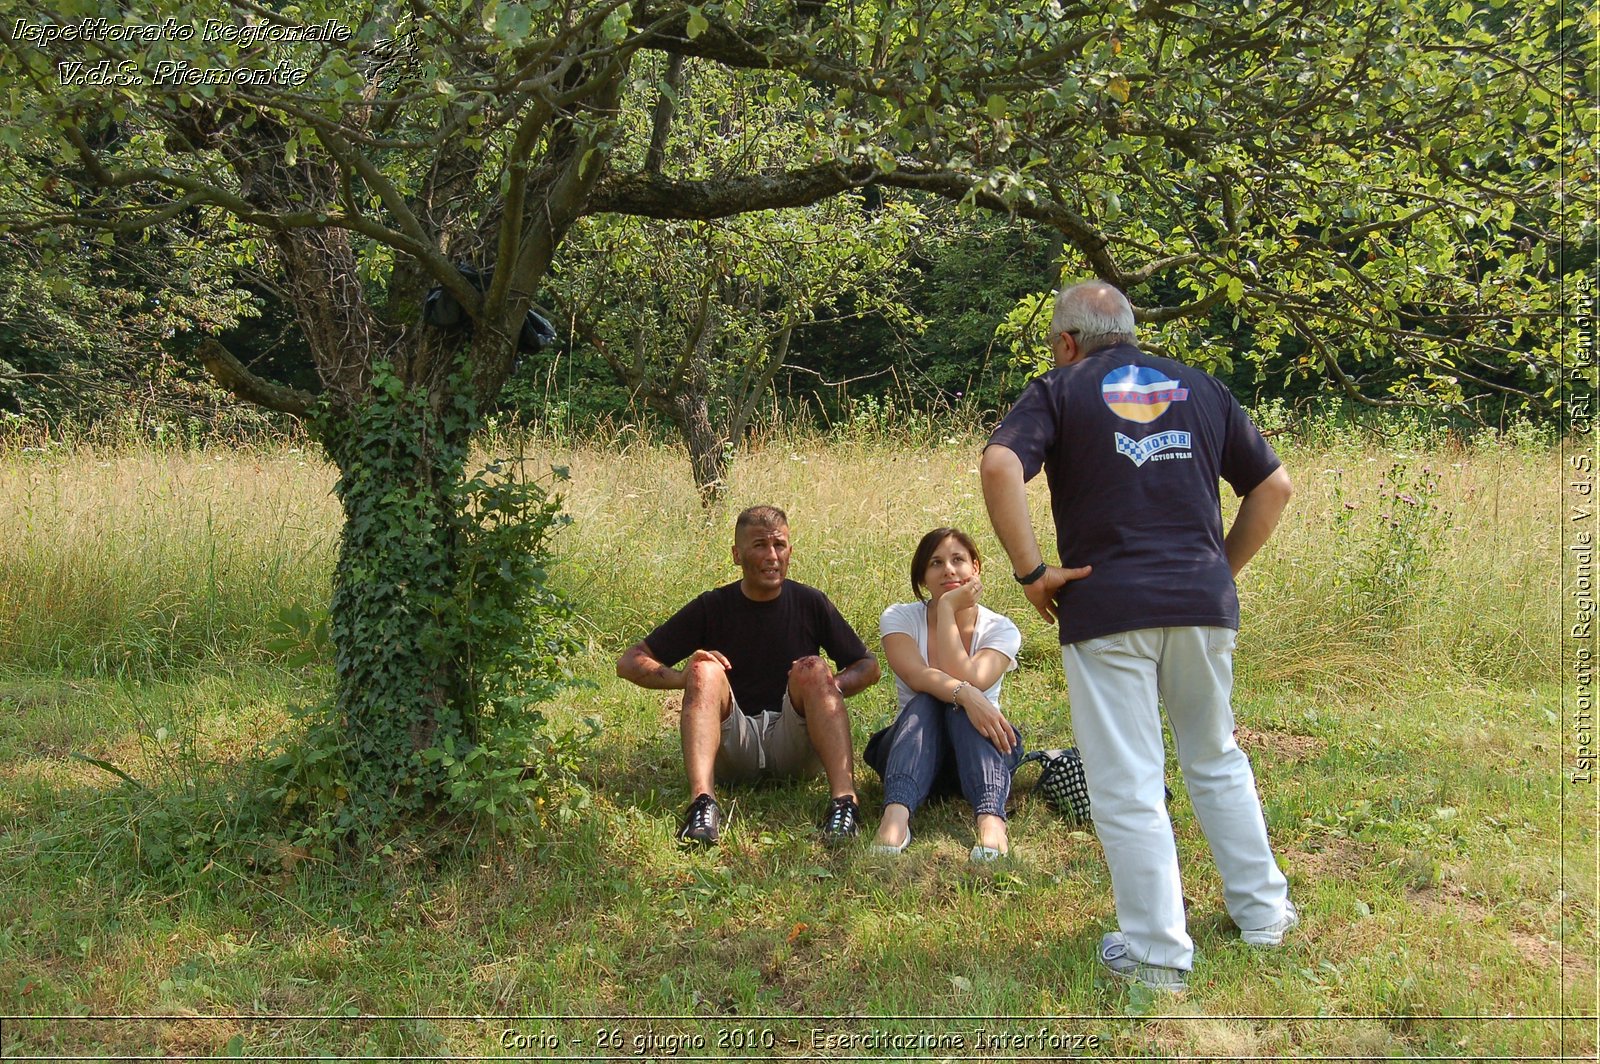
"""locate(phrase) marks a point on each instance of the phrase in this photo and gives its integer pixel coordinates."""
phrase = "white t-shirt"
(991, 632)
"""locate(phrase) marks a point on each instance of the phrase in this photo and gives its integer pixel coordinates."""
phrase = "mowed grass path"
(1399, 692)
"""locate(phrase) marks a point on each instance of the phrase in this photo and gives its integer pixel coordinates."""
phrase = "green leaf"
(106, 766)
(698, 23)
(511, 23)
(615, 27)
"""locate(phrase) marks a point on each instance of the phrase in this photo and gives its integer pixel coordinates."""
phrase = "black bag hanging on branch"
(1061, 783)
(441, 310)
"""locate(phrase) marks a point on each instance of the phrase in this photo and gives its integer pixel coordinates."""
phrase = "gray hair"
(768, 517)
(1097, 314)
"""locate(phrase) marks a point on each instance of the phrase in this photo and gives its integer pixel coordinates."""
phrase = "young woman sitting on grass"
(949, 655)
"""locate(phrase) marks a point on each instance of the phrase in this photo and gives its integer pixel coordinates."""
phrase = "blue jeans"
(926, 740)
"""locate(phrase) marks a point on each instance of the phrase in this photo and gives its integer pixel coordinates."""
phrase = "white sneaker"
(1115, 959)
(1272, 934)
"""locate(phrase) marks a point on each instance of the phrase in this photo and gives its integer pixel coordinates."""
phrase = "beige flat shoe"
(888, 850)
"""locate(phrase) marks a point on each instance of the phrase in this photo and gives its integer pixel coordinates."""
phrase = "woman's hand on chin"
(964, 597)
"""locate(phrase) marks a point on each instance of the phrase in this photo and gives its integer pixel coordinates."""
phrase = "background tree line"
(108, 340)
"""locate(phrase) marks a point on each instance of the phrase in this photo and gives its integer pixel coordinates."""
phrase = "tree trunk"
(401, 656)
(708, 448)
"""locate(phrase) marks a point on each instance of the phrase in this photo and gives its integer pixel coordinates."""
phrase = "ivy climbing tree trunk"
(400, 683)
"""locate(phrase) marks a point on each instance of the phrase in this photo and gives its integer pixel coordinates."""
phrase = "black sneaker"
(842, 822)
(702, 823)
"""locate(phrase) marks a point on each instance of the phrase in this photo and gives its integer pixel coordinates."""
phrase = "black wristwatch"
(1031, 577)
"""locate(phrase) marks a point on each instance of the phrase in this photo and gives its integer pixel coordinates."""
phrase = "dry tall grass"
(147, 560)
(140, 560)
(1483, 598)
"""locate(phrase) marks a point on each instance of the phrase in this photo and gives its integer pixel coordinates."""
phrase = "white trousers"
(1114, 684)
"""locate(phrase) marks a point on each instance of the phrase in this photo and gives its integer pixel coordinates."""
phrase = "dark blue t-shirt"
(1133, 446)
(760, 639)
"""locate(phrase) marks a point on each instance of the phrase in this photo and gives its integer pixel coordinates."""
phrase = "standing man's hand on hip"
(1042, 592)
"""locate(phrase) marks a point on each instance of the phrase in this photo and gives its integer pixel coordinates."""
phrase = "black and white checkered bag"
(1061, 783)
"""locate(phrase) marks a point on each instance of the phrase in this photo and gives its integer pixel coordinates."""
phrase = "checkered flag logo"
(1061, 783)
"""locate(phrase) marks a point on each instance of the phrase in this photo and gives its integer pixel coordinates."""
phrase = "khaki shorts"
(774, 743)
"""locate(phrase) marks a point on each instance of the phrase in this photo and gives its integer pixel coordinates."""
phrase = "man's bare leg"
(817, 700)
(707, 701)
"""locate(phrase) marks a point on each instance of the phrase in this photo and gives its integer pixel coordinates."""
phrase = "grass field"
(1399, 693)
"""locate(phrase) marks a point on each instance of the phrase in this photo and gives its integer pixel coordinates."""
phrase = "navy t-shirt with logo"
(760, 639)
(1133, 447)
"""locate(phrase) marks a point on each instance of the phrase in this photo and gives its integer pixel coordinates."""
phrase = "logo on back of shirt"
(1142, 394)
(1139, 393)
(1158, 447)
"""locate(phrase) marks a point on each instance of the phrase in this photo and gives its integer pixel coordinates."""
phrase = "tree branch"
(1150, 269)
(1331, 361)
(229, 372)
(653, 196)
(423, 243)
(747, 402)
(1187, 310)
(1074, 227)
(765, 49)
(661, 121)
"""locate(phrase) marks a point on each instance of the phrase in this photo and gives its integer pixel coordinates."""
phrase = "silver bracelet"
(956, 694)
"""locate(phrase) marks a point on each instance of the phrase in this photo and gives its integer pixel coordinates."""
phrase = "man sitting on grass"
(757, 699)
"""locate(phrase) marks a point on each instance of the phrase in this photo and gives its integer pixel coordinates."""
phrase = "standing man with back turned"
(1133, 447)
(757, 699)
